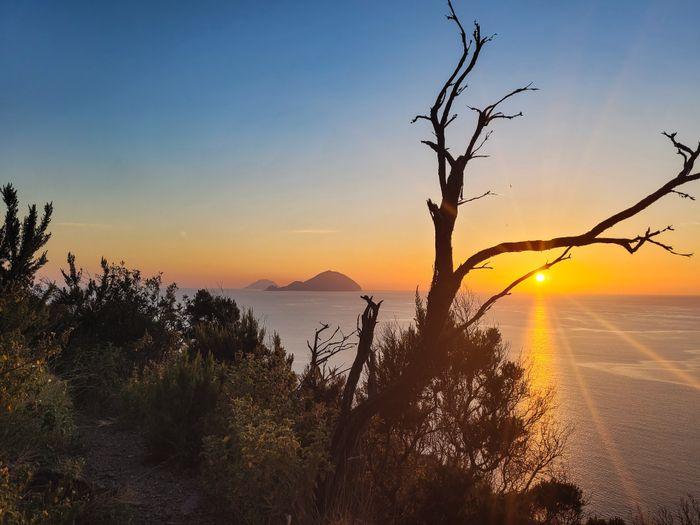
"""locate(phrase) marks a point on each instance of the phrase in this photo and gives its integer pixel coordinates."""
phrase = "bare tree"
(430, 359)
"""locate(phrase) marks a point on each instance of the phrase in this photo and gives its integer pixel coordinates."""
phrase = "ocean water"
(626, 371)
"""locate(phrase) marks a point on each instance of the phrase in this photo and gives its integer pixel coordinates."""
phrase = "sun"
(539, 277)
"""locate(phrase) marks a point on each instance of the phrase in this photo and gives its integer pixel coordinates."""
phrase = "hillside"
(328, 281)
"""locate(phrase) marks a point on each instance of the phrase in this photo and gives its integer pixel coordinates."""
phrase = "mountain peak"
(261, 284)
(327, 281)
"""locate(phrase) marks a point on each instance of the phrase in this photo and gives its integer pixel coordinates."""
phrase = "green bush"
(205, 308)
(228, 342)
(109, 326)
(96, 376)
(267, 445)
(36, 412)
(37, 435)
(259, 468)
(120, 307)
(173, 401)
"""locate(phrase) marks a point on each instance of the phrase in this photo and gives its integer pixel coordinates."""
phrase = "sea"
(626, 370)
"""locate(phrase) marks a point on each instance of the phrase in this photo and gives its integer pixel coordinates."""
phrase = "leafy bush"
(173, 401)
(262, 458)
(36, 435)
(259, 468)
(228, 342)
(205, 308)
(120, 307)
(35, 409)
(21, 240)
(476, 432)
(110, 326)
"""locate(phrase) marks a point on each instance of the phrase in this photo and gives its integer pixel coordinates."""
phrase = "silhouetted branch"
(441, 114)
(683, 195)
(471, 199)
(366, 324)
(488, 115)
(592, 236)
(323, 349)
(633, 244)
(486, 306)
(440, 150)
(683, 150)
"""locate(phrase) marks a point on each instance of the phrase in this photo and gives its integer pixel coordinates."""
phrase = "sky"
(223, 142)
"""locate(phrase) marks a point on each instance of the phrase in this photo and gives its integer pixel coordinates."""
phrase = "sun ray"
(667, 365)
(628, 484)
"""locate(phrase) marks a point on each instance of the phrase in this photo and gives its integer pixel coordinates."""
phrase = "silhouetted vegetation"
(211, 392)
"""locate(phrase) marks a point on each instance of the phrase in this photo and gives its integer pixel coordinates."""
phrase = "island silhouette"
(261, 284)
(328, 281)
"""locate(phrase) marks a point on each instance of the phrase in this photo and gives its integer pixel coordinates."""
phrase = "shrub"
(21, 240)
(35, 409)
(120, 307)
(96, 377)
(173, 401)
(477, 424)
(259, 468)
(228, 342)
(110, 326)
(36, 438)
(268, 445)
(209, 309)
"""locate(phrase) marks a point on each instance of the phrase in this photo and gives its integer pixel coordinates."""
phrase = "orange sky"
(202, 143)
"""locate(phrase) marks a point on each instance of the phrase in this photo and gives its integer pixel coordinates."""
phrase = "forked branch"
(593, 236)
(486, 305)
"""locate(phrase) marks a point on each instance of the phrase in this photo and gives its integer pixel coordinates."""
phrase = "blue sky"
(176, 118)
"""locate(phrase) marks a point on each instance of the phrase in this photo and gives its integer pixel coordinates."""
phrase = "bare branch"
(592, 236)
(488, 115)
(486, 306)
(683, 195)
(419, 117)
(440, 150)
(472, 199)
(364, 348)
(485, 266)
(441, 114)
(682, 149)
(633, 244)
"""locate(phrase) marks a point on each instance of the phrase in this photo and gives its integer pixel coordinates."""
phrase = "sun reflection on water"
(539, 347)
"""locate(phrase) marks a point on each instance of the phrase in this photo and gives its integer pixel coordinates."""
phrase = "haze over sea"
(626, 370)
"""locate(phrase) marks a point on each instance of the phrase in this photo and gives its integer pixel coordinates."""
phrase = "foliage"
(173, 401)
(35, 409)
(478, 429)
(260, 468)
(687, 512)
(120, 307)
(37, 430)
(205, 308)
(110, 325)
(268, 446)
(228, 342)
(20, 240)
(257, 466)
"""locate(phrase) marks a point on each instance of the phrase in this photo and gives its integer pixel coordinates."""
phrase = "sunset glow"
(350, 262)
(229, 179)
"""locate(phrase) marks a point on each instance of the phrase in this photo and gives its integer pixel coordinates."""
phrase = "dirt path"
(115, 461)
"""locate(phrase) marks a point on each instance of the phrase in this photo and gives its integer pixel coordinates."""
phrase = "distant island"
(261, 284)
(328, 281)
